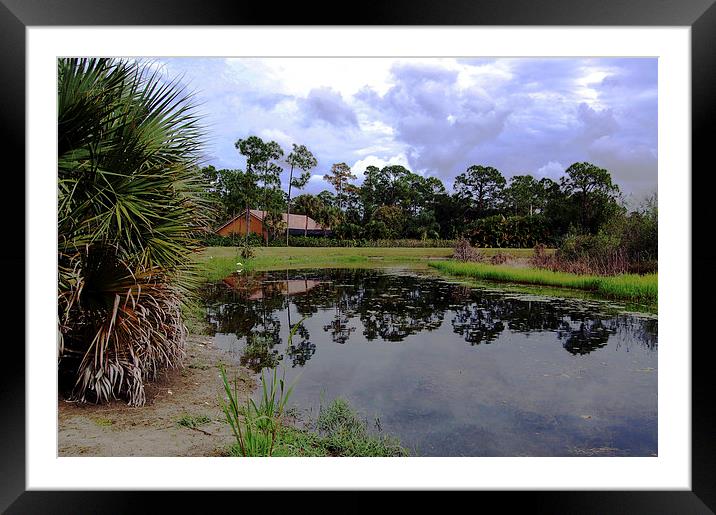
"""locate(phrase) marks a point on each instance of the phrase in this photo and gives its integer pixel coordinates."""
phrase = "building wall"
(238, 227)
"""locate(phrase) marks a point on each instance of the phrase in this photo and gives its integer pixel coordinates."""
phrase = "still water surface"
(452, 369)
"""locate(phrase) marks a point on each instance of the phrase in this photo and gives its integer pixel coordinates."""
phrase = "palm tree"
(130, 208)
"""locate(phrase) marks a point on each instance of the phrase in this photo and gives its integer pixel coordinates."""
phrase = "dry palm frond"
(133, 344)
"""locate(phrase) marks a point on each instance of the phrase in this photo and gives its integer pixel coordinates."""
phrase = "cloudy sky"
(436, 116)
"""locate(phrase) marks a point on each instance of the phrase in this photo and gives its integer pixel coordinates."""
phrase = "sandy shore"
(116, 429)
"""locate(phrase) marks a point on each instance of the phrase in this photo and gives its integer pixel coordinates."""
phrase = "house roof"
(294, 222)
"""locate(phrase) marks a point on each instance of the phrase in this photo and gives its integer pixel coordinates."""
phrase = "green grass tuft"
(192, 421)
(346, 434)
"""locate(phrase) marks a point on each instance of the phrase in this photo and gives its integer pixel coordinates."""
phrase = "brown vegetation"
(463, 251)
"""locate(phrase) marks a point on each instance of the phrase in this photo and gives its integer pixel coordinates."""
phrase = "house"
(298, 225)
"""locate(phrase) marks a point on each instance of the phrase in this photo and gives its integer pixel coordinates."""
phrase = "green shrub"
(235, 240)
(348, 231)
(627, 244)
(247, 250)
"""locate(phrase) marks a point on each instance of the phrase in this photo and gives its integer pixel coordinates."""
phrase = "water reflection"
(368, 305)
(452, 370)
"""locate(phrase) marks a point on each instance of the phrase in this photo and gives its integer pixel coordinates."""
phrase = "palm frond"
(131, 206)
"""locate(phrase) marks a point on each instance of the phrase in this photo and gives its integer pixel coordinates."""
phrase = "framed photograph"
(438, 222)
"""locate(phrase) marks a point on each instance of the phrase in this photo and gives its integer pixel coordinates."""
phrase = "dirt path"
(116, 429)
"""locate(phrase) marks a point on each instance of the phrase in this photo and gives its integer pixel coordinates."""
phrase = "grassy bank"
(639, 288)
(339, 431)
(218, 262)
(260, 428)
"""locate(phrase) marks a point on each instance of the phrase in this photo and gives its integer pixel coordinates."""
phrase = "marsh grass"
(640, 288)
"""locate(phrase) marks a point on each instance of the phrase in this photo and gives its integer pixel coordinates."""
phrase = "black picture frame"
(700, 15)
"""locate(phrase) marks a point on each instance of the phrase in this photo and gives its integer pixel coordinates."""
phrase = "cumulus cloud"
(328, 105)
(360, 166)
(596, 123)
(440, 121)
(552, 170)
(436, 116)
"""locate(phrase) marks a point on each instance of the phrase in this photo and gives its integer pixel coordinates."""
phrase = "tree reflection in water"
(392, 307)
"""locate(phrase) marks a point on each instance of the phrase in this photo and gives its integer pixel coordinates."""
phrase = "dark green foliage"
(392, 218)
(639, 232)
(508, 232)
(482, 186)
(525, 195)
(592, 193)
(376, 230)
(235, 240)
(348, 231)
(422, 226)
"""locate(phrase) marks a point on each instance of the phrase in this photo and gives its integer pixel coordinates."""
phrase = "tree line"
(394, 202)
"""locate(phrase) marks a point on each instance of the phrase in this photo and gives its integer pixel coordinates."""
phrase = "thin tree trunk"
(249, 173)
(264, 233)
(288, 215)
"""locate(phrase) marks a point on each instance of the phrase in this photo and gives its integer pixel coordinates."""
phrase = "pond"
(451, 369)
